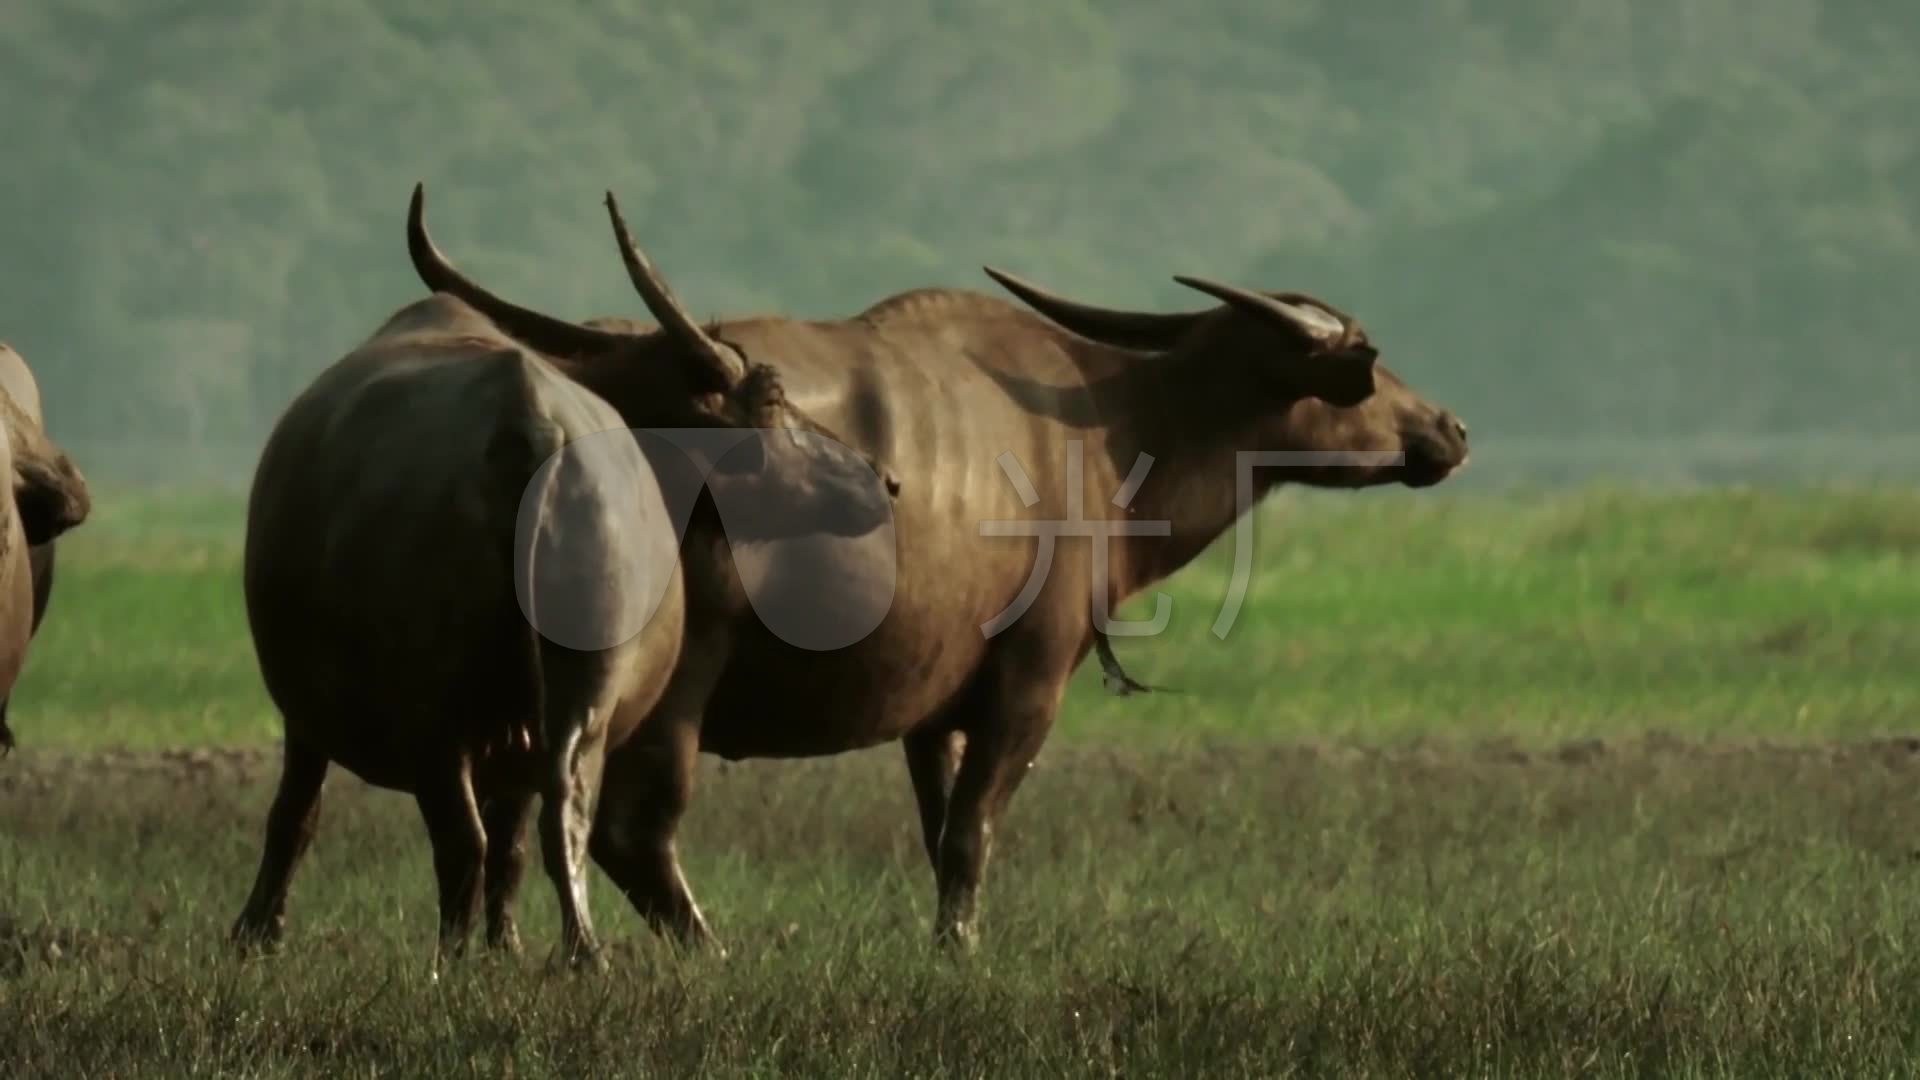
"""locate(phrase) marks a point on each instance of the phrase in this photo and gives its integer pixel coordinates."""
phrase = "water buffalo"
(447, 604)
(50, 496)
(974, 635)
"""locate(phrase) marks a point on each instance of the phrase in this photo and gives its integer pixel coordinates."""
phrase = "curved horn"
(544, 332)
(1142, 330)
(666, 307)
(1315, 322)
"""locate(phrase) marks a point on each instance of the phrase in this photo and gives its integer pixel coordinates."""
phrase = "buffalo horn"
(1314, 322)
(544, 332)
(666, 307)
(1141, 330)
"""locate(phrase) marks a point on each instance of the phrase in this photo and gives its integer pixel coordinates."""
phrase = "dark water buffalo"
(962, 638)
(50, 497)
(447, 604)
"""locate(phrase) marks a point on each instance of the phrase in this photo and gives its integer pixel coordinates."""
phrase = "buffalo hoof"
(250, 939)
(698, 941)
(450, 959)
(505, 941)
(956, 938)
(581, 961)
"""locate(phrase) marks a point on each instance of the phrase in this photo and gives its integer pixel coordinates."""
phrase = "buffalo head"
(773, 469)
(48, 489)
(1306, 371)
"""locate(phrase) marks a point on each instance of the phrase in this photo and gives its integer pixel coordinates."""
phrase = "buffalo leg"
(445, 797)
(290, 826)
(504, 819)
(566, 823)
(933, 754)
(1002, 741)
(648, 788)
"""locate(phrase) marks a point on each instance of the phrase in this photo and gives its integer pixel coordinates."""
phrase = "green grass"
(1646, 906)
(1600, 782)
(1376, 615)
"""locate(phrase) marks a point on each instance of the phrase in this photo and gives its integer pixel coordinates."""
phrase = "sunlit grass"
(1477, 784)
(1380, 615)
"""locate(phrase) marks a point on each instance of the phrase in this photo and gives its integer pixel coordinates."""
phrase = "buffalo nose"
(1457, 426)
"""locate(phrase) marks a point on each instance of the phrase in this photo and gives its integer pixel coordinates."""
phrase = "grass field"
(1597, 781)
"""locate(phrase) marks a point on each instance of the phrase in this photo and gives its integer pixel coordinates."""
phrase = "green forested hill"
(1601, 218)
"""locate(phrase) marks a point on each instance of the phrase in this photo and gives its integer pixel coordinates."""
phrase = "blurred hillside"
(1592, 222)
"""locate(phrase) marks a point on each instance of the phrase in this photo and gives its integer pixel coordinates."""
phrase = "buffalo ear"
(50, 493)
(1342, 378)
(48, 507)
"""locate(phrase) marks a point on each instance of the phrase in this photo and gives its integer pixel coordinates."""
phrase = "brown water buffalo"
(50, 496)
(462, 578)
(1011, 425)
